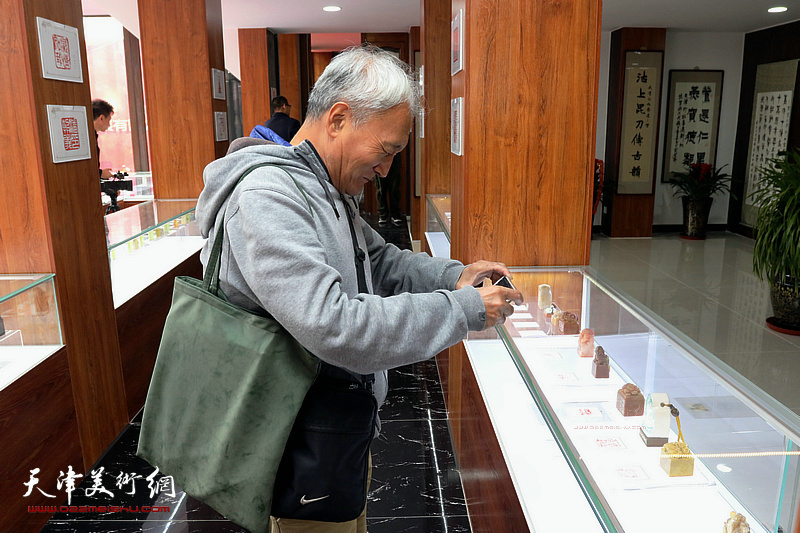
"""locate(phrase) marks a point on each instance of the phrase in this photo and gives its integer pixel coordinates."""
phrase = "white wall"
(686, 50)
(230, 40)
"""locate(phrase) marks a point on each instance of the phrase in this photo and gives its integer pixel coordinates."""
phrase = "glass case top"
(30, 330)
(439, 205)
(153, 216)
(13, 284)
(615, 384)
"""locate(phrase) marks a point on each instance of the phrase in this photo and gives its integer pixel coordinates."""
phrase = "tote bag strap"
(211, 277)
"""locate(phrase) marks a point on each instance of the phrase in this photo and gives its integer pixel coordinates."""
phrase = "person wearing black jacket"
(102, 112)
(281, 123)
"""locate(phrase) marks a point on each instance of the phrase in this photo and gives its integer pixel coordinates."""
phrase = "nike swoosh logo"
(304, 501)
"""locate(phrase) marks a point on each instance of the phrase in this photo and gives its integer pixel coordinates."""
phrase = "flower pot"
(786, 306)
(695, 217)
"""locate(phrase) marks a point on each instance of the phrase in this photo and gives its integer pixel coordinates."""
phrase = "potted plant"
(697, 188)
(776, 255)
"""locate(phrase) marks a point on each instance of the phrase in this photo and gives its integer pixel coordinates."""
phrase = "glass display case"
(147, 240)
(437, 226)
(29, 327)
(741, 451)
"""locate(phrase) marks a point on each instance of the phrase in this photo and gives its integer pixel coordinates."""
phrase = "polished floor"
(707, 290)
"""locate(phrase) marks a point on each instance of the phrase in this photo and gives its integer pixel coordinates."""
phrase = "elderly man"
(290, 239)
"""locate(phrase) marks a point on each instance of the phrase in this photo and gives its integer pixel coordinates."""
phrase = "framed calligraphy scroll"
(769, 125)
(692, 129)
(640, 111)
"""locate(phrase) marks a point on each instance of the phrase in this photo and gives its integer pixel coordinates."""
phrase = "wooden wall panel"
(38, 429)
(140, 322)
(254, 67)
(321, 60)
(77, 237)
(289, 71)
(522, 189)
(216, 59)
(306, 73)
(177, 80)
(766, 46)
(435, 48)
(24, 234)
(626, 215)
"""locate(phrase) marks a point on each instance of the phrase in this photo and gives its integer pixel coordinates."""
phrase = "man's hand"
(477, 272)
(106, 175)
(497, 301)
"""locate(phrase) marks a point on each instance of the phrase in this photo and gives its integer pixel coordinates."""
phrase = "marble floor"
(707, 290)
(415, 484)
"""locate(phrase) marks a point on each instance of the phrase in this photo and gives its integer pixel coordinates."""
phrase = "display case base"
(652, 441)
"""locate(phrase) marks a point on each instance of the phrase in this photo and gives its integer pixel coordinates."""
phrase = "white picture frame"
(69, 133)
(457, 43)
(218, 83)
(220, 126)
(60, 51)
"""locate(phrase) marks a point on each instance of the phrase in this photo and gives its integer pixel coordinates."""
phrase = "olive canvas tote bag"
(226, 389)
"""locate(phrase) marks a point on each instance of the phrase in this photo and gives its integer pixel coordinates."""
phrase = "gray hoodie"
(290, 251)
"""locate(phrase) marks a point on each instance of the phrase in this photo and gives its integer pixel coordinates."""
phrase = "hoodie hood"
(222, 175)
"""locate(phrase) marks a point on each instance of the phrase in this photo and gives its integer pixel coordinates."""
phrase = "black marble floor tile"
(125, 476)
(419, 444)
(415, 480)
(155, 526)
(414, 393)
(426, 524)
(397, 491)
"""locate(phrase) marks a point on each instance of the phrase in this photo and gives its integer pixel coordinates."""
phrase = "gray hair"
(369, 80)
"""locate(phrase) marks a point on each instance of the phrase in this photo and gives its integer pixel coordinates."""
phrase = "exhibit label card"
(59, 48)
(221, 125)
(218, 83)
(456, 124)
(69, 133)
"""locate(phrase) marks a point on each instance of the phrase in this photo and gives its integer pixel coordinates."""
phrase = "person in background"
(281, 123)
(102, 112)
(388, 193)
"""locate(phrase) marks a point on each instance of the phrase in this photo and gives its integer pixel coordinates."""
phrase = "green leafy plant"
(776, 253)
(701, 180)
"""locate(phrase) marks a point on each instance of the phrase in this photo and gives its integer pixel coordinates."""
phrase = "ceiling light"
(777, 9)
(331, 8)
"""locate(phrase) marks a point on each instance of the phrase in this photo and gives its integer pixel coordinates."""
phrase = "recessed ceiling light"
(777, 9)
(331, 8)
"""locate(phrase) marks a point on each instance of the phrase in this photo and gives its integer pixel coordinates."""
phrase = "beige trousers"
(288, 525)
